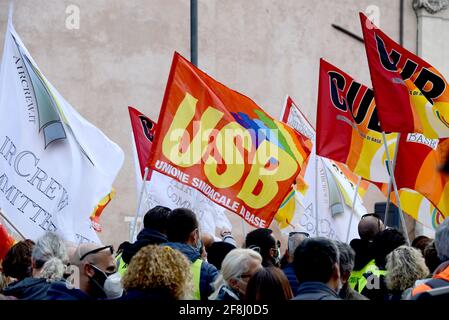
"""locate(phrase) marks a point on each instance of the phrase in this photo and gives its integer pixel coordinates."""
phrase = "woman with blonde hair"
(237, 268)
(157, 273)
(405, 265)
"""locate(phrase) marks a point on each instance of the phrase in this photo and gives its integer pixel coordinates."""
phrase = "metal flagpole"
(243, 230)
(353, 207)
(194, 32)
(139, 203)
(391, 168)
(11, 224)
(401, 215)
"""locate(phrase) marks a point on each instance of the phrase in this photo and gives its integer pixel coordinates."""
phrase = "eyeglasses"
(305, 234)
(243, 276)
(110, 247)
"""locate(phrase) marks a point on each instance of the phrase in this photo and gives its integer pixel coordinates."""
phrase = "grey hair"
(404, 266)
(347, 257)
(50, 256)
(442, 241)
(236, 263)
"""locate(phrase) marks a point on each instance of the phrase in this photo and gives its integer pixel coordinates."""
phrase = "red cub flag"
(411, 95)
(143, 132)
(348, 128)
(221, 143)
(417, 168)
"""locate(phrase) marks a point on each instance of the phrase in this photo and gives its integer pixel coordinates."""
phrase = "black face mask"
(97, 281)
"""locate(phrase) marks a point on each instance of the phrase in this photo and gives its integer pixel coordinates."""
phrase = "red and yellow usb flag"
(348, 128)
(221, 143)
(411, 95)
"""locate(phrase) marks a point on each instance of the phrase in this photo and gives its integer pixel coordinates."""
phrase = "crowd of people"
(172, 260)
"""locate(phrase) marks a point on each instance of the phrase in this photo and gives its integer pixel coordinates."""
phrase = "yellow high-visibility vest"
(195, 268)
(358, 278)
(121, 265)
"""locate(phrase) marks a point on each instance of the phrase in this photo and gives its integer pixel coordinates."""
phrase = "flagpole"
(11, 224)
(142, 189)
(392, 167)
(10, 12)
(194, 32)
(243, 230)
(353, 207)
(401, 215)
(317, 221)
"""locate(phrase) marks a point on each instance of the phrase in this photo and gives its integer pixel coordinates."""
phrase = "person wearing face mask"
(262, 241)
(237, 268)
(97, 274)
(183, 235)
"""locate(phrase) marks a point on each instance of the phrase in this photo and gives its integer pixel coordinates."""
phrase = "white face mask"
(340, 286)
(113, 286)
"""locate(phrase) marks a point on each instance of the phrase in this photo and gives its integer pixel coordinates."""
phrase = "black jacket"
(28, 289)
(377, 289)
(144, 238)
(59, 291)
(208, 271)
(315, 291)
(364, 253)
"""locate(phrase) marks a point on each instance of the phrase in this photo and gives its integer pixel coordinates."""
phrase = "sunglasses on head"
(371, 215)
(110, 247)
(305, 234)
(255, 248)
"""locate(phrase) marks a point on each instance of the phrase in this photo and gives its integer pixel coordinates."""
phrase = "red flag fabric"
(221, 143)
(411, 95)
(348, 128)
(143, 132)
(6, 242)
(417, 168)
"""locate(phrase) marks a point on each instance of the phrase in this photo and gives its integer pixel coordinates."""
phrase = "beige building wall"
(122, 51)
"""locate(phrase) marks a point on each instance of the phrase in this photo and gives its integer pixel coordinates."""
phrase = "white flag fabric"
(54, 165)
(329, 194)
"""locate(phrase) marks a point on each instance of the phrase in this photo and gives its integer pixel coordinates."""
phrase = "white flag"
(328, 190)
(54, 165)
